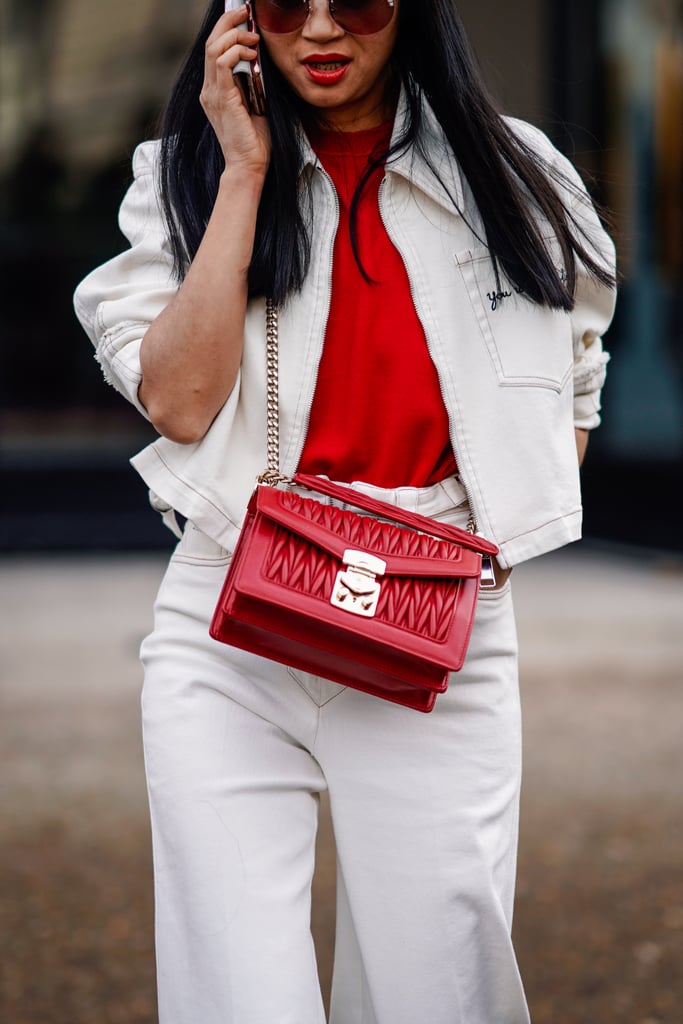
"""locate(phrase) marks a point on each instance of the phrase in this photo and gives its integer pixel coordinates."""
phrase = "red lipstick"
(326, 68)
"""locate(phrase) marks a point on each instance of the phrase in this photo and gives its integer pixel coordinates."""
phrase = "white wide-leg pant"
(424, 808)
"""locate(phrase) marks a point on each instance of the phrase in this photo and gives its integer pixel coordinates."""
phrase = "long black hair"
(433, 60)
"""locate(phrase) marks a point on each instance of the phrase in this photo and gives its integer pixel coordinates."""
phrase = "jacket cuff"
(590, 371)
(121, 368)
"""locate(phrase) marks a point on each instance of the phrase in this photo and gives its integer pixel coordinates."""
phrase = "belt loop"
(455, 490)
(407, 498)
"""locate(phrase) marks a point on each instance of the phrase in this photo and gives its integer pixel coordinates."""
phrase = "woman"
(443, 282)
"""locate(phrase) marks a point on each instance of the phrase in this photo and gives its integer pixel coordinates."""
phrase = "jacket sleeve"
(594, 301)
(594, 307)
(118, 301)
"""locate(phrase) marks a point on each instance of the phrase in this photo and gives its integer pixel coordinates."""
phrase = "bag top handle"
(395, 513)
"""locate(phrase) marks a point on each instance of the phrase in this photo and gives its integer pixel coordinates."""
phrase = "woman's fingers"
(226, 34)
(219, 85)
(226, 46)
(229, 59)
(231, 19)
(226, 50)
(222, 99)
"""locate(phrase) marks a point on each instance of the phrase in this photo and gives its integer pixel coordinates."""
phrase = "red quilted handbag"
(384, 607)
(382, 602)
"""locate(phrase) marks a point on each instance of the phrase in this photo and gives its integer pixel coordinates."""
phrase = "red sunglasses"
(359, 17)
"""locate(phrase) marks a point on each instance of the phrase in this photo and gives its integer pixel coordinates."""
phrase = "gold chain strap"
(272, 475)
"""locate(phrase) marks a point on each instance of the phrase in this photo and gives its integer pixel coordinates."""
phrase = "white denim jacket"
(516, 378)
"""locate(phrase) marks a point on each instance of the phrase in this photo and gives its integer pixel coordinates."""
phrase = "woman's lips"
(326, 68)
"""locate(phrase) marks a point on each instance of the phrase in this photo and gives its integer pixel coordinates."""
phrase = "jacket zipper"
(420, 314)
(314, 375)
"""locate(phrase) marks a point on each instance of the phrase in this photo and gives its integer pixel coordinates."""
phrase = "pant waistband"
(433, 501)
(428, 501)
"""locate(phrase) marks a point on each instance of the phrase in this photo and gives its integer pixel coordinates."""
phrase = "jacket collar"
(443, 184)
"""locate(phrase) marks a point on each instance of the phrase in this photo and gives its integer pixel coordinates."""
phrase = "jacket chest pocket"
(529, 345)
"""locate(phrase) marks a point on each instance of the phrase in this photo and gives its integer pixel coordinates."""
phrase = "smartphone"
(248, 72)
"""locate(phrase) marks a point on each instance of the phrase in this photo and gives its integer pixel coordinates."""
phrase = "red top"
(377, 412)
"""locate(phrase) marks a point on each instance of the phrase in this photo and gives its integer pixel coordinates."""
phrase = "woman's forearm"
(191, 354)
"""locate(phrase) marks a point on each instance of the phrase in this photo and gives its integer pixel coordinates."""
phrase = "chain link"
(272, 475)
(272, 375)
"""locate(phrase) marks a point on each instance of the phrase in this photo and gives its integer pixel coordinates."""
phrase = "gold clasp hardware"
(356, 589)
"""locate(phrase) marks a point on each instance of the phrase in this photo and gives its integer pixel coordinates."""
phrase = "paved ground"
(599, 925)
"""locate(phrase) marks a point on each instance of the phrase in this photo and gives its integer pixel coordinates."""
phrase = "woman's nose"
(320, 24)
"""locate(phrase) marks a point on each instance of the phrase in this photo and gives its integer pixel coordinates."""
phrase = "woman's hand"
(244, 138)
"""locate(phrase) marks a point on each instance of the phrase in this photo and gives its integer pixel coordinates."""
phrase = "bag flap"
(285, 509)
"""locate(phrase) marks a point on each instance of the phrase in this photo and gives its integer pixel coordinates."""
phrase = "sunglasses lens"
(359, 17)
(281, 16)
(362, 17)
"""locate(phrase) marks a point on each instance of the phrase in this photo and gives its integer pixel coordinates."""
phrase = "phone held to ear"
(247, 73)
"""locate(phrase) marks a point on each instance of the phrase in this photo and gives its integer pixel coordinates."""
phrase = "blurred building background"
(82, 82)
